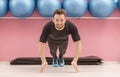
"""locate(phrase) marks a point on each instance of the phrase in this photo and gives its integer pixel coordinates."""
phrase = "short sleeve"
(44, 34)
(74, 33)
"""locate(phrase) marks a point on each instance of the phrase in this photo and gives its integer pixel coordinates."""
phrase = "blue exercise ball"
(118, 4)
(75, 8)
(101, 8)
(46, 8)
(3, 7)
(21, 8)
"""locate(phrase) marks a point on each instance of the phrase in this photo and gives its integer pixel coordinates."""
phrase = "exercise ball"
(3, 7)
(21, 8)
(101, 8)
(46, 8)
(118, 4)
(75, 8)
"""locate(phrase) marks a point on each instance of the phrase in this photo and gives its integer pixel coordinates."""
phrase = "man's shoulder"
(70, 24)
(49, 23)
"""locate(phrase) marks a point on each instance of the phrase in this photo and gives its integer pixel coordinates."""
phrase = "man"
(56, 33)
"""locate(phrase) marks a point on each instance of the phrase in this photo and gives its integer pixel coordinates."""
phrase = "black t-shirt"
(49, 31)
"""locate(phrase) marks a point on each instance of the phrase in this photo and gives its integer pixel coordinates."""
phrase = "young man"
(56, 32)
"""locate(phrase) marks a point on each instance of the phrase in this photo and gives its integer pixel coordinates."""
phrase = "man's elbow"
(78, 42)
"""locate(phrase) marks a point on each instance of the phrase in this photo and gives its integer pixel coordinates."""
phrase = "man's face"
(59, 21)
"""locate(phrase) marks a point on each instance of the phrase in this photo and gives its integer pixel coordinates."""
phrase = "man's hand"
(74, 64)
(43, 66)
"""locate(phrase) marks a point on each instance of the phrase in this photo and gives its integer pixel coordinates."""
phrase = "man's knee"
(62, 52)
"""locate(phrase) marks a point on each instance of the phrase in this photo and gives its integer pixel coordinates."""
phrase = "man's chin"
(60, 28)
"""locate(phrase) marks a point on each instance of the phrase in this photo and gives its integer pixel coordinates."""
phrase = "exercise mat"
(88, 60)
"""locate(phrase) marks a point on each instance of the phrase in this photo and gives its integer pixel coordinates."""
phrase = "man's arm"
(77, 53)
(42, 55)
(78, 50)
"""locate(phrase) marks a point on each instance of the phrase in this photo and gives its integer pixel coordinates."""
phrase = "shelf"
(67, 18)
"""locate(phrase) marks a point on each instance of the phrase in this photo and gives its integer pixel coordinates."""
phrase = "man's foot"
(61, 62)
(55, 62)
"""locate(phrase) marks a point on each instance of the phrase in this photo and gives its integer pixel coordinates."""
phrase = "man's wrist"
(75, 59)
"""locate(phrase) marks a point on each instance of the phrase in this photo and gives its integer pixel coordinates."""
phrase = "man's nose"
(59, 22)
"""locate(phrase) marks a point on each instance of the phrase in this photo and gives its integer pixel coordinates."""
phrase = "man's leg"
(53, 51)
(62, 51)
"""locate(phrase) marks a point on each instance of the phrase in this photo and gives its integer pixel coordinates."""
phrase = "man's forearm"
(42, 53)
(78, 50)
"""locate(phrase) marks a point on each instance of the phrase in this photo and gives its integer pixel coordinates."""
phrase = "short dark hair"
(59, 12)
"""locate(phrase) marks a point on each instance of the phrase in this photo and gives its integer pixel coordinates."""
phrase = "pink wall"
(20, 37)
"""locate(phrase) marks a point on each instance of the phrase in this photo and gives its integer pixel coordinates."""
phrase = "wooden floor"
(107, 69)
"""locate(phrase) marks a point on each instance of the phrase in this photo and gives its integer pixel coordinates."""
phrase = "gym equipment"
(101, 8)
(88, 60)
(118, 4)
(21, 8)
(75, 8)
(3, 7)
(46, 8)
